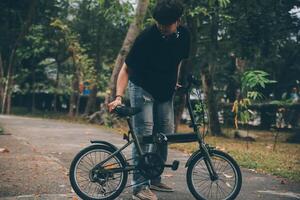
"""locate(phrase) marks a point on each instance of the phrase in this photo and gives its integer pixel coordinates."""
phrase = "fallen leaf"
(168, 175)
(252, 170)
(269, 146)
(220, 148)
(4, 150)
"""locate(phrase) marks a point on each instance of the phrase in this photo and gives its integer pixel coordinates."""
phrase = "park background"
(60, 59)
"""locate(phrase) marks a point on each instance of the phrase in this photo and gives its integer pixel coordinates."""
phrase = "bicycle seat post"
(134, 136)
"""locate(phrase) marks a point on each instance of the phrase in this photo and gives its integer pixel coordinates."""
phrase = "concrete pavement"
(40, 153)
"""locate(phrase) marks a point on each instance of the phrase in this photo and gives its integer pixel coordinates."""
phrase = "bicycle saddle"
(124, 111)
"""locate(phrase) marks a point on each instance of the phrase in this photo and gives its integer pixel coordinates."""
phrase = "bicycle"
(100, 171)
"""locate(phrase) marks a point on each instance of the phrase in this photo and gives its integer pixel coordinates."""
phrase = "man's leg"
(163, 123)
(142, 125)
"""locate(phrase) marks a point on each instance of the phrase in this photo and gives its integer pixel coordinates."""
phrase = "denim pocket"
(147, 97)
(138, 94)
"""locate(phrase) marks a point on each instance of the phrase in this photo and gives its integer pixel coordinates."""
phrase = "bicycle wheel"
(229, 181)
(104, 185)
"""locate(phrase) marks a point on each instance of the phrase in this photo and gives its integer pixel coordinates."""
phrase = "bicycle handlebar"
(124, 111)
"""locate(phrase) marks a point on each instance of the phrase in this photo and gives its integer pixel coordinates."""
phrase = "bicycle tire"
(85, 152)
(216, 157)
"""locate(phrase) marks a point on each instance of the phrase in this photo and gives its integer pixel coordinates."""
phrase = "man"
(151, 71)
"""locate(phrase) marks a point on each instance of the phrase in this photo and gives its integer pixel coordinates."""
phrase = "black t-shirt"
(153, 61)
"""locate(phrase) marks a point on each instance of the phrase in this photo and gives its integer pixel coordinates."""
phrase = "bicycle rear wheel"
(104, 185)
(229, 181)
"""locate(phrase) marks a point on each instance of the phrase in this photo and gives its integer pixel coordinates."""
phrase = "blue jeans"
(156, 117)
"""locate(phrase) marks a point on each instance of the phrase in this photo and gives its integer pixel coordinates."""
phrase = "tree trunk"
(1, 78)
(56, 86)
(33, 90)
(8, 108)
(10, 86)
(6, 101)
(5, 109)
(132, 33)
(207, 82)
(207, 76)
(185, 69)
(77, 103)
(91, 104)
(74, 99)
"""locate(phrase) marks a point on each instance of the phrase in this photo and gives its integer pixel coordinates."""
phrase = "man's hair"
(167, 11)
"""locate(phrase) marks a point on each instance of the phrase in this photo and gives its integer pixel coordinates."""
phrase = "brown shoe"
(161, 187)
(144, 194)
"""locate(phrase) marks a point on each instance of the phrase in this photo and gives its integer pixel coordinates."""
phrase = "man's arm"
(121, 86)
(122, 81)
(181, 73)
(178, 84)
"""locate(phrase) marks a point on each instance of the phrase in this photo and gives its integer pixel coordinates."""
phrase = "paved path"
(40, 152)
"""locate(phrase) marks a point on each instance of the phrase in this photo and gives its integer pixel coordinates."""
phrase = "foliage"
(199, 108)
(260, 157)
(80, 59)
(262, 33)
(252, 82)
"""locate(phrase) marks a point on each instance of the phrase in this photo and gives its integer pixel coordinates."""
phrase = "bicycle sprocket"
(151, 165)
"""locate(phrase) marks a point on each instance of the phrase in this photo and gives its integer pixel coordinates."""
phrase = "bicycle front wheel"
(226, 186)
(106, 184)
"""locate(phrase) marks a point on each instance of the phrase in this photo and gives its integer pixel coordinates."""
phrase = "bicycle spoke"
(90, 157)
(206, 188)
(226, 184)
(83, 177)
(88, 169)
(95, 190)
(105, 181)
(222, 188)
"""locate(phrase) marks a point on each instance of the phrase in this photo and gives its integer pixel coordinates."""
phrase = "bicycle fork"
(207, 160)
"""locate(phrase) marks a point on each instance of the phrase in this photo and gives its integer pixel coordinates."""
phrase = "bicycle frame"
(172, 138)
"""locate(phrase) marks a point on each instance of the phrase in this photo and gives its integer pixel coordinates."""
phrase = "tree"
(186, 68)
(80, 62)
(13, 44)
(33, 47)
(133, 31)
(208, 26)
(107, 19)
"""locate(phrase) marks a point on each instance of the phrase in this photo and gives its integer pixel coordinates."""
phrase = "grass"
(20, 111)
(284, 161)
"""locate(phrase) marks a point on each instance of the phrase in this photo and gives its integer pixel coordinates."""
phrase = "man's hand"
(178, 86)
(112, 105)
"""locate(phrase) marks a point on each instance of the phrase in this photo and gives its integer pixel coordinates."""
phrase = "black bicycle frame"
(202, 145)
(172, 138)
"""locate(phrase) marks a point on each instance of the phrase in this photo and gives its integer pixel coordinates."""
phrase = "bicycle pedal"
(174, 166)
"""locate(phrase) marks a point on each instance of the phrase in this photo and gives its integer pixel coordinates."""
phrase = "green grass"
(284, 161)
(20, 111)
